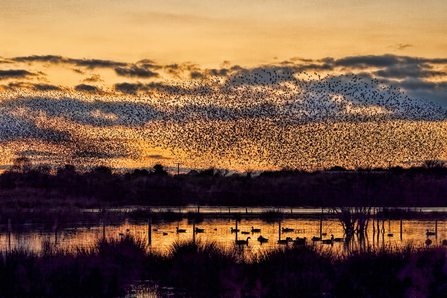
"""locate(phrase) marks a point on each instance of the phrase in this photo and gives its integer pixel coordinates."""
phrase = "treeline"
(416, 186)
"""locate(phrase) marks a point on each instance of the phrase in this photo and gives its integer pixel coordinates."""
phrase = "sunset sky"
(89, 50)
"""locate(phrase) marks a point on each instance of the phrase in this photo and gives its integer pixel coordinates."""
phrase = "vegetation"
(27, 187)
(109, 268)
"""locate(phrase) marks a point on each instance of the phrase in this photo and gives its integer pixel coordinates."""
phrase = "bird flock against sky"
(253, 120)
(236, 84)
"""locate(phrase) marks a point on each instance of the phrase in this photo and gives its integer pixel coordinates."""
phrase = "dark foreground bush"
(206, 270)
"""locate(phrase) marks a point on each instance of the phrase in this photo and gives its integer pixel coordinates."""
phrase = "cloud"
(409, 71)
(135, 71)
(96, 154)
(35, 153)
(14, 74)
(54, 59)
(94, 78)
(88, 89)
(79, 71)
(36, 87)
(401, 46)
(195, 75)
(367, 61)
(96, 113)
(158, 156)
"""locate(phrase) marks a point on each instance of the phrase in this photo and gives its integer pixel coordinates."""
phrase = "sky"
(75, 72)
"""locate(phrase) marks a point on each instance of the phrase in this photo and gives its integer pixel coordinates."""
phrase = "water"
(163, 234)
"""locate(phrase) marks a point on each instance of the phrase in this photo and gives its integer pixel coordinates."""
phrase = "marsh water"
(162, 234)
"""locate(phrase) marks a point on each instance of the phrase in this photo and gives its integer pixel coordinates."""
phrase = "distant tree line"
(425, 185)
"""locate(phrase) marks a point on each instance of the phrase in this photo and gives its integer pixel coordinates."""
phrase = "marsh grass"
(273, 215)
(112, 267)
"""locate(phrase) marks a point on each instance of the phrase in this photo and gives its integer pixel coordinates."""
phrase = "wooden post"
(401, 230)
(321, 222)
(436, 229)
(236, 228)
(279, 231)
(149, 232)
(194, 231)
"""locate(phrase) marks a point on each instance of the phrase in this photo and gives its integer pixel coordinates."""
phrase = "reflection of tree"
(21, 164)
(353, 219)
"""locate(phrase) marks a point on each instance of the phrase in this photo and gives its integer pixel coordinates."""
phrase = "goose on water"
(245, 233)
(339, 240)
(242, 242)
(316, 238)
(299, 241)
(430, 233)
(180, 230)
(262, 239)
(200, 230)
(287, 230)
(253, 230)
(285, 241)
(328, 241)
(234, 230)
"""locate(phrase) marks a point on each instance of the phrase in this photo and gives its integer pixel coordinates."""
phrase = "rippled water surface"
(164, 234)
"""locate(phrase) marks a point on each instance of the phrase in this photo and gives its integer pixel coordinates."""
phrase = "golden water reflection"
(164, 234)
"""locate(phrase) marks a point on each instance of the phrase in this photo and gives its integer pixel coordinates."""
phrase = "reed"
(110, 267)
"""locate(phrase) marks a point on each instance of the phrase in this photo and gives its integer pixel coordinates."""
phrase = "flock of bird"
(296, 241)
(260, 120)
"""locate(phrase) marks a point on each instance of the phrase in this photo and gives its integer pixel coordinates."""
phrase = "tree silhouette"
(21, 164)
(159, 170)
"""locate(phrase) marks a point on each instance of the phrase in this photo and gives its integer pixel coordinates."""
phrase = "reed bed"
(111, 267)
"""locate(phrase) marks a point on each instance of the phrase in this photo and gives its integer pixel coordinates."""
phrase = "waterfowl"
(262, 239)
(245, 233)
(128, 230)
(234, 230)
(121, 234)
(253, 230)
(180, 230)
(444, 242)
(323, 234)
(164, 233)
(242, 242)
(328, 241)
(390, 235)
(428, 241)
(299, 241)
(430, 233)
(287, 230)
(199, 230)
(285, 241)
(316, 238)
(339, 240)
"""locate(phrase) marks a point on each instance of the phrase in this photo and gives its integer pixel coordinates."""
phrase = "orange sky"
(209, 32)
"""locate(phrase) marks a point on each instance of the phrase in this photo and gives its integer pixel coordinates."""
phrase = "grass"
(112, 267)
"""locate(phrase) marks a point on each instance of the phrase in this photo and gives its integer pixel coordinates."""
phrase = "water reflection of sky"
(164, 234)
